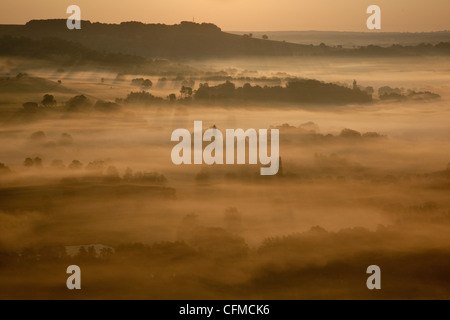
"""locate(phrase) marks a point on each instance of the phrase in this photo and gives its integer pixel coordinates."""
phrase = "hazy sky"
(244, 15)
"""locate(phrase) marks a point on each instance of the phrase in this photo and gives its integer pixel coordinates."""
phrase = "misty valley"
(95, 147)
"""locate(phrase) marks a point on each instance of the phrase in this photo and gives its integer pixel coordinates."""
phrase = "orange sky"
(245, 15)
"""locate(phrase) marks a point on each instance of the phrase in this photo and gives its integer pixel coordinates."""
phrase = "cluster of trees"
(186, 92)
(172, 97)
(250, 35)
(152, 177)
(89, 253)
(397, 94)
(33, 162)
(315, 264)
(353, 134)
(40, 138)
(386, 90)
(106, 106)
(296, 90)
(307, 91)
(54, 253)
(311, 129)
(143, 83)
(101, 168)
(217, 244)
(81, 103)
(309, 134)
(141, 97)
(37, 162)
(47, 101)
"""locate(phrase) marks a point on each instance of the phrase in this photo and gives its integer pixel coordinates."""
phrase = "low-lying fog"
(329, 179)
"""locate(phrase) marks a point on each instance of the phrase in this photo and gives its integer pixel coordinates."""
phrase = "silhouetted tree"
(172, 97)
(186, 92)
(147, 84)
(137, 81)
(265, 37)
(349, 133)
(142, 97)
(222, 91)
(28, 162)
(97, 165)
(141, 82)
(78, 103)
(76, 165)
(48, 100)
(66, 139)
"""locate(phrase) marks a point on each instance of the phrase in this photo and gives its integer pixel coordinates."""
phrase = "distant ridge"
(352, 39)
(191, 40)
(186, 39)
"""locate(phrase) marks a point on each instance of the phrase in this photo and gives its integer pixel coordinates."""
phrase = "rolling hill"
(191, 40)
